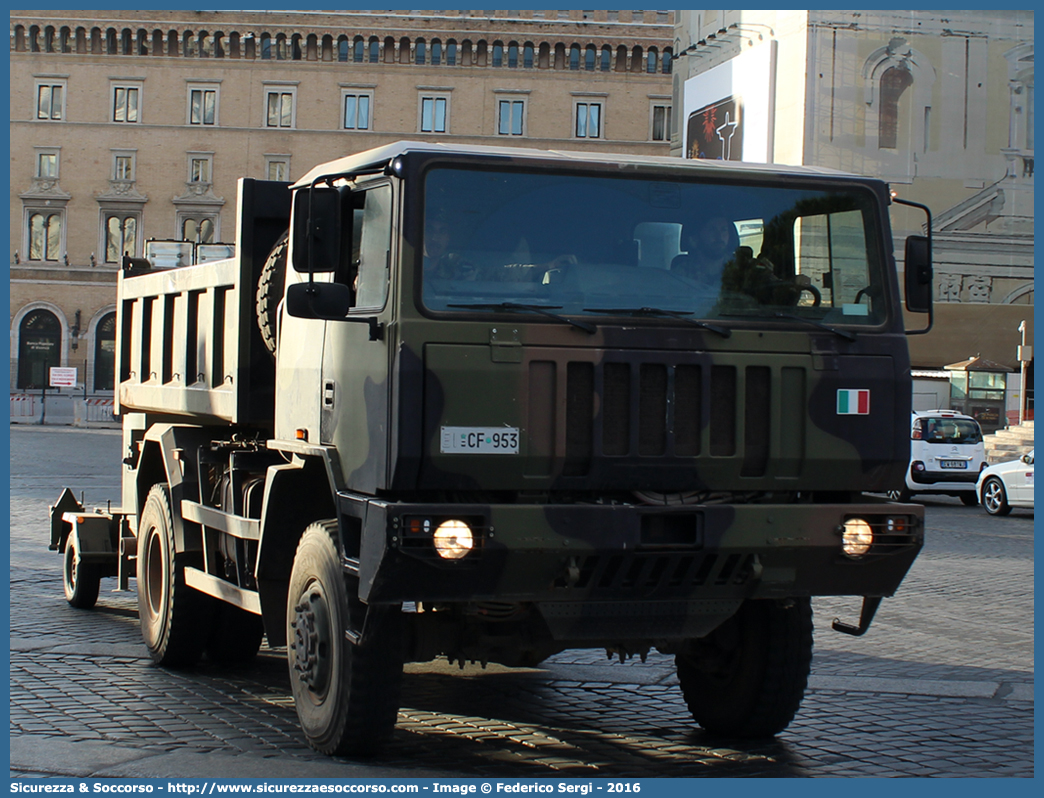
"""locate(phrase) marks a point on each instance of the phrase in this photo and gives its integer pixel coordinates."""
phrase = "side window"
(831, 249)
(371, 242)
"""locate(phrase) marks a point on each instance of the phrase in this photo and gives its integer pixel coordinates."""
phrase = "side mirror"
(317, 229)
(918, 274)
(318, 300)
(329, 301)
(1027, 459)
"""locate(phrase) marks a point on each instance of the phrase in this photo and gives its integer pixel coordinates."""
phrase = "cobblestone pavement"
(940, 686)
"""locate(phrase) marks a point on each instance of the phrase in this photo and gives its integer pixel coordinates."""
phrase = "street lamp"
(1025, 354)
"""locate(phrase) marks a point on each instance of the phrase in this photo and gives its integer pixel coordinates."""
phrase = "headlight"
(453, 540)
(856, 538)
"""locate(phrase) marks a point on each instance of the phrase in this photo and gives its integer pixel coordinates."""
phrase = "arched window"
(668, 59)
(49, 39)
(574, 57)
(45, 236)
(266, 46)
(527, 56)
(621, 58)
(359, 49)
(342, 48)
(39, 347)
(607, 59)
(282, 48)
(110, 41)
(636, 59)
(590, 58)
(436, 52)
(420, 54)
(498, 54)
(65, 40)
(513, 55)
(105, 353)
(188, 45)
(893, 83)
(451, 53)
(172, 43)
(199, 231)
(652, 61)
(121, 237)
(375, 50)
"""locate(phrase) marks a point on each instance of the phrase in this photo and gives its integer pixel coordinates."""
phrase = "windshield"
(607, 245)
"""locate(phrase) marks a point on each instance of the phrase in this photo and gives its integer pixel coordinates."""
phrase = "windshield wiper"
(680, 315)
(542, 309)
(848, 336)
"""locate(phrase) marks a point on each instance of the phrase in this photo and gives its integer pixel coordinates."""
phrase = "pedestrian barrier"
(24, 406)
(99, 410)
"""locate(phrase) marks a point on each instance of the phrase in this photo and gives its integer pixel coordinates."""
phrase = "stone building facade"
(137, 125)
(939, 104)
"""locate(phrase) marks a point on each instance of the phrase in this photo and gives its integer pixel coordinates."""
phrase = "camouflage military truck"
(490, 404)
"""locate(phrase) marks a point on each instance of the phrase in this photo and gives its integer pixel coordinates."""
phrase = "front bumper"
(586, 553)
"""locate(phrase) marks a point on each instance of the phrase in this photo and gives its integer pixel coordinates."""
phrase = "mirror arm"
(928, 213)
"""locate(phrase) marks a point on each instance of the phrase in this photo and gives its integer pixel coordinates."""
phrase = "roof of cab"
(370, 159)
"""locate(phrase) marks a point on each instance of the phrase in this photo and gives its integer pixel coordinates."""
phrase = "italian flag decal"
(853, 402)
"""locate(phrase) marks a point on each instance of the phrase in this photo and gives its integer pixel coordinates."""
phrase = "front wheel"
(81, 580)
(748, 676)
(994, 497)
(346, 695)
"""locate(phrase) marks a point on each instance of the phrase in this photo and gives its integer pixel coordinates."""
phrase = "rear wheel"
(175, 618)
(748, 676)
(994, 497)
(82, 581)
(346, 695)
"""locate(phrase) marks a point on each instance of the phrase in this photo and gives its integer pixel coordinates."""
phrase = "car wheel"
(994, 497)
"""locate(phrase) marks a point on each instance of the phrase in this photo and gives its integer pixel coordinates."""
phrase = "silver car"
(1006, 485)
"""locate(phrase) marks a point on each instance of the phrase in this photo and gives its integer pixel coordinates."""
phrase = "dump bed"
(188, 345)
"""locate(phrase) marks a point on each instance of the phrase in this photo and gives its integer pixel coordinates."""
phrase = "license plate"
(479, 440)
(953, 464)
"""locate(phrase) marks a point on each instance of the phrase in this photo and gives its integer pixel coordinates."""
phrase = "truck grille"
(678, 410)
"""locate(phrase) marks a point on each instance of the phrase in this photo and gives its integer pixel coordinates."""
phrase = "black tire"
(994, 497)
(175, 618)
(903, 495)
(346, 695)
(236, 636)
(270, 292)
(82, 581)
(747, 678)
(968, 498)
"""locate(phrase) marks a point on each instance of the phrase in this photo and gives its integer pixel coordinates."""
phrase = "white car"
(946, 456)
(1006, 485)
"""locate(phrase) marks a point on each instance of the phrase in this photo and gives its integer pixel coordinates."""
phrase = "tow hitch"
(870, 605)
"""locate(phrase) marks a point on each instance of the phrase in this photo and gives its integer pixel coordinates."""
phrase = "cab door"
(355, 385)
